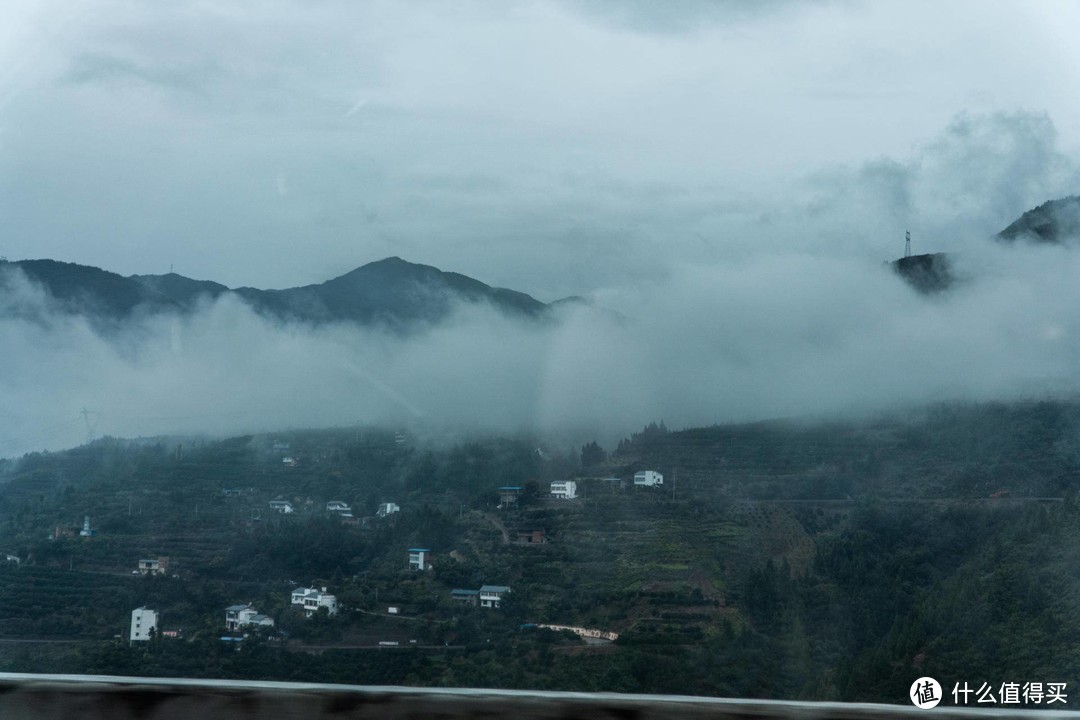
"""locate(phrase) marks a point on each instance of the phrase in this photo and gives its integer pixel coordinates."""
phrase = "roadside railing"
(93, 697)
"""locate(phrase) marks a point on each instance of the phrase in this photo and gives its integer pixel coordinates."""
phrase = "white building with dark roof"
(310, 600)
(648, 478)
(564, 489)
(239, 616)
(282, 506)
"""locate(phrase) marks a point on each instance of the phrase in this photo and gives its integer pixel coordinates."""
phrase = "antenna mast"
(907, 243)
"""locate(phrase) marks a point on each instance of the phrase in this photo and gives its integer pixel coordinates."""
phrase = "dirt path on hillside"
(494, 520)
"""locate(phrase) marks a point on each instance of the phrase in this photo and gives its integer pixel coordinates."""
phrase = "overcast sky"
(730, 176)
(553, 147)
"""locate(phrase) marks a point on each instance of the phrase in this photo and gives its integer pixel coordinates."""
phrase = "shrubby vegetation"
(785, 560)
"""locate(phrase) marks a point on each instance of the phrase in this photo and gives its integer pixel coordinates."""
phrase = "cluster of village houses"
(333, 507)
(568, 489)
(144, 621)
(508, 494)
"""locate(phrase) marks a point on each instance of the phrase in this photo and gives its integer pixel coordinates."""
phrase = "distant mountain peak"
(1055, 221)
(930, 273)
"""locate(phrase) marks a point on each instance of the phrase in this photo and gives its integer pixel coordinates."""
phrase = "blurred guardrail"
(90, 697)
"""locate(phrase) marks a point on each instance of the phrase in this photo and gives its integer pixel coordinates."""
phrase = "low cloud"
(772, 335)
(737, 310)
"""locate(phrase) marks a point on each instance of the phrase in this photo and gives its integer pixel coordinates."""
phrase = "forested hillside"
(820, 560)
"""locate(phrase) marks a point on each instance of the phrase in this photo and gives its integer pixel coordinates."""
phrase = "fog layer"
(765, 332)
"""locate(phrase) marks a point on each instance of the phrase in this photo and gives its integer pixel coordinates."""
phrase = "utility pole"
(907, 243)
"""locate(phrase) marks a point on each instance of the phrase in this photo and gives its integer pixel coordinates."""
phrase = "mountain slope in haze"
(928, 273)
(391, 292)
(86, 290)
(181, 290)
(1054, 221)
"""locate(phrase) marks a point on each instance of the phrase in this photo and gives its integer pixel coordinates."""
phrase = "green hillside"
(832, 560)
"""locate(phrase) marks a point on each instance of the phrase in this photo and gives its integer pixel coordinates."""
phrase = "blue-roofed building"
(465, 597)
(418, 559)
(508, 494)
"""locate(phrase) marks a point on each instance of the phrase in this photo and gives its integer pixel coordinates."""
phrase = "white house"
(491, 595)
(418, 558)
(310, 600)
(282, 506)
(154, 566)
(337, 506)
(238, 616)
(387, 509)
(143, 621)
(648, 478)
(564, 489)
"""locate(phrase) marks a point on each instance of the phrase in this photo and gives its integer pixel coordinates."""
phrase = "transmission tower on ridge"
(89, 427)
(907, 243)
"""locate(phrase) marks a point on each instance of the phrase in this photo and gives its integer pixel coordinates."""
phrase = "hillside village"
(733, 560)
(243, 619)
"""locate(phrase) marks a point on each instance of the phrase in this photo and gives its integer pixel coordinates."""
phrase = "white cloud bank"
(767, 335)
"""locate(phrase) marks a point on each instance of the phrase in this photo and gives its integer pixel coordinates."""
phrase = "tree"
(592, 454)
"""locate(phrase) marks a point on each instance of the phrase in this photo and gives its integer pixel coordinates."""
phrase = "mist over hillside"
(769, 335)
(764, 307)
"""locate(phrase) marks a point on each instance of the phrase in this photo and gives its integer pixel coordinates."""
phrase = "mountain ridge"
(391, 292)
(402, 295)
(1053, 222)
